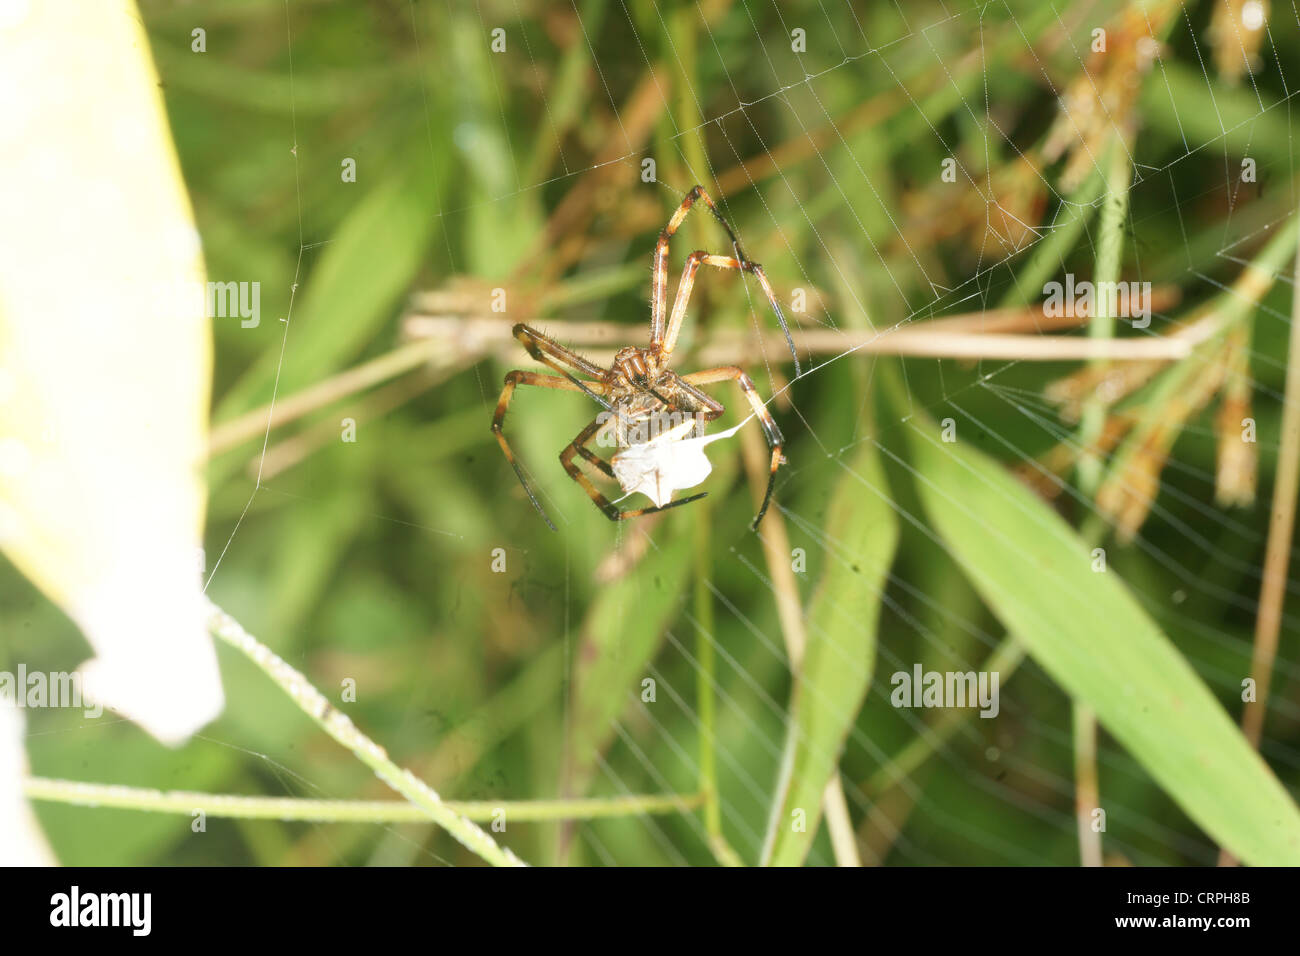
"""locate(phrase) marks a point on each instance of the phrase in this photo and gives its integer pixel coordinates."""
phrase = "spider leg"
(513, 379)
(610, 510)
(556, 356)
(587, 435)
(775, 440)
(709, 406)
(687, 285)
(665, 334)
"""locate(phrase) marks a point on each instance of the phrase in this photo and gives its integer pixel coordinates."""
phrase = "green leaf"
(1090, 634)
(363, 272)
(1182, 103)
(860, 539)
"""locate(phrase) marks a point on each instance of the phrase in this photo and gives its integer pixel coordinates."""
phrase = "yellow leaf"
(105, 357)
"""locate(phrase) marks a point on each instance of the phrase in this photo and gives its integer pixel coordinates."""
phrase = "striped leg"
(687, 285)
(556, 356)
(587, 435)
(610, 510)
(503, 403)
(775, 440)
(664, 333)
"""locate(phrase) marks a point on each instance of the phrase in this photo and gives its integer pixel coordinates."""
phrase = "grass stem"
(1110, 245)
(232, 806)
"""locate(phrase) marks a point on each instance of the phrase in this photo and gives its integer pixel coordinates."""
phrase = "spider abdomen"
(642, 417)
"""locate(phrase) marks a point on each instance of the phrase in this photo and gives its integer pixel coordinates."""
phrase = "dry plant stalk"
(742, 347)
(1237, 29)
(1127, 494)
(1103, 98)
(790, 612)
(1237, 459)
(1110, 384)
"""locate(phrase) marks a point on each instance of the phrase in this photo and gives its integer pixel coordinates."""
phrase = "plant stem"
(937, 338)
(1272, 590)
(1101, 325)
(704, 655)
(344, 811)
(339, 726)
(1277, 553)
(785, 588)
(1110, 245)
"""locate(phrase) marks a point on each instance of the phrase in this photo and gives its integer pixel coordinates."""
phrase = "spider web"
(1049, 793)
(843, 231)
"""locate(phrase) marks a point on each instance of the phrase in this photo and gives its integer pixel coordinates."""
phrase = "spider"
(640, 389)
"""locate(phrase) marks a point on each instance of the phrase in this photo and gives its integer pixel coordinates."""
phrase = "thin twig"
(447, 341)
(283, 455)
(704, 692)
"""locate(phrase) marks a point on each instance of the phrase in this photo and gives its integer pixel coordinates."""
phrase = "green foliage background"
(373, 560)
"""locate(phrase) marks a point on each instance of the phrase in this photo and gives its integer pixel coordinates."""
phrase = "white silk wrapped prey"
(667, 463)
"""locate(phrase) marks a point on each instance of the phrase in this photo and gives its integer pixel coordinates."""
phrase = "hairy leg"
(664, 332)
(514, 379)
(775, 440)
(610, 510)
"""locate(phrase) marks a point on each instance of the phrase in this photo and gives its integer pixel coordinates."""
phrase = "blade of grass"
(1095, 640)
(785, 591)
(621, 632)
(862, 533)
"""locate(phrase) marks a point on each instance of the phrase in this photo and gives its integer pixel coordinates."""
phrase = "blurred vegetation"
(521, 170)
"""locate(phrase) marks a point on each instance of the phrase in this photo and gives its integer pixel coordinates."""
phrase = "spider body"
(648, 400)
(642, 396)
(633, 366)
